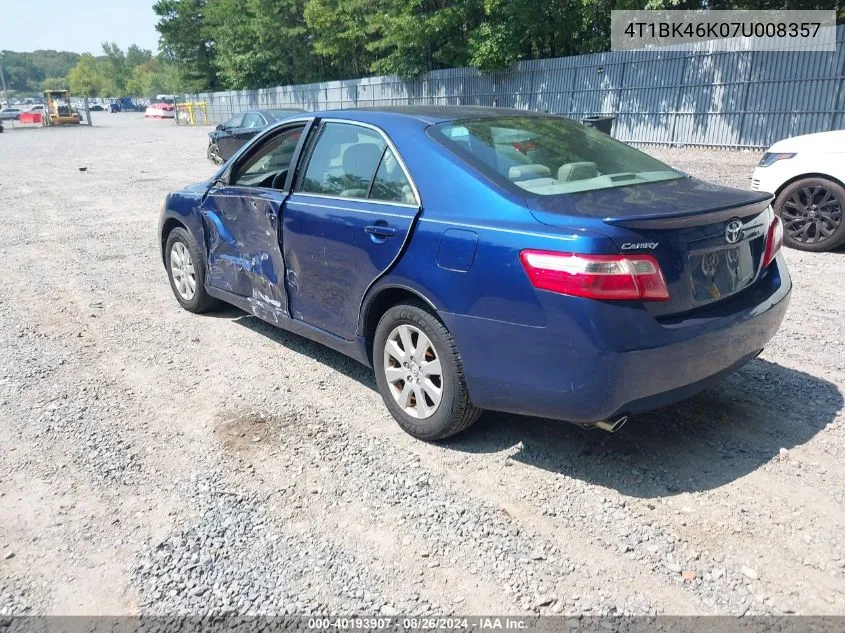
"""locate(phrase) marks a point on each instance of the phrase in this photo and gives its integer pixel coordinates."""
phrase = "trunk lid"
(709, 240)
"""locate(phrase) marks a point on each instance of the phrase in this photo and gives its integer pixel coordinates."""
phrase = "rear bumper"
(594, 360)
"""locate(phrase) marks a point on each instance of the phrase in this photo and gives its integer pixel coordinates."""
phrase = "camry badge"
(627, 246)
(733, 231)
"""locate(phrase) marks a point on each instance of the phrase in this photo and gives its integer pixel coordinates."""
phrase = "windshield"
(548, 155)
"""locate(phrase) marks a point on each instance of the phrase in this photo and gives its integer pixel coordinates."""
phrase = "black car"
(227, 138)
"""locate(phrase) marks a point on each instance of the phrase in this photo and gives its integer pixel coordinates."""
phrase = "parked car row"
(14, 113)
(482, 258)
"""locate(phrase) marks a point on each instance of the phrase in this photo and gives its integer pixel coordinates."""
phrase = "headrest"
(523, 172)
(576, 171)
(344, 134)
(360, 160)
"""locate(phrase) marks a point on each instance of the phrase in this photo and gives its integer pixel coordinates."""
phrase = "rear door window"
(252, 120)
(391, 184)
(234, 122)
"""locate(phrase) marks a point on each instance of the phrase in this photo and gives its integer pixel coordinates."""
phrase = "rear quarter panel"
(494, 223)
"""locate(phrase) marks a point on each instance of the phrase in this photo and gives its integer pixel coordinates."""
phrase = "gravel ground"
(154, 461)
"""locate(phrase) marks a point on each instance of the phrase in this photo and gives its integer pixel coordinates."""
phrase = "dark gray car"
(227, 138)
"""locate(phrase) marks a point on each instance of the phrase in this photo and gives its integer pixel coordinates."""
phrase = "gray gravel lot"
(154, 461)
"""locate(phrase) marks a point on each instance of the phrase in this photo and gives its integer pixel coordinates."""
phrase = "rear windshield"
(548, 155)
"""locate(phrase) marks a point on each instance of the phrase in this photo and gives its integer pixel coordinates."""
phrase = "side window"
(343, 162)
(234, 122)
(269, 162)
(252, 120)
(390, 183)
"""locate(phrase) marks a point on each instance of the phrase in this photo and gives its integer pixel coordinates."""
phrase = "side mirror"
(222, 180)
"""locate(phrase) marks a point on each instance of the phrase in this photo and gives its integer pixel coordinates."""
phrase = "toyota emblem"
(733, 231)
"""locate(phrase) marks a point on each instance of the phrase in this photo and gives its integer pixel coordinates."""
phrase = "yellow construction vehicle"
(59, 110)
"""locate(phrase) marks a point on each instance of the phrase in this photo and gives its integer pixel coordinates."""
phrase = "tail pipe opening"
(611, 426)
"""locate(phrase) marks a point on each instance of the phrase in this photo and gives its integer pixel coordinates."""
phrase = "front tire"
(213, 154)
(420, 375)
(186, 271)
(811, 211)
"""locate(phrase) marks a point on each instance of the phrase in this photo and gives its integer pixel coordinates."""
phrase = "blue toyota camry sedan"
(481, 258)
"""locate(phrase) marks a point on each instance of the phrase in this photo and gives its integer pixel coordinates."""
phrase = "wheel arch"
(379, 302)
(795, 179)
(167, 227)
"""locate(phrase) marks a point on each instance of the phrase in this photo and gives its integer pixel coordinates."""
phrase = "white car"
(10, 114)
(806, 175)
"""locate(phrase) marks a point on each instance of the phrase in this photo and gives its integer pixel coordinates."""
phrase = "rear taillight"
(774, 240)
(617, 277)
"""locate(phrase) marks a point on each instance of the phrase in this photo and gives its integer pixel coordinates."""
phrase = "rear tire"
(811, 210)
(186, 271)
(420, 375)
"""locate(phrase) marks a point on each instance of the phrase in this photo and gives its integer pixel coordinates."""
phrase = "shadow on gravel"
(301, 345)
(702, 443)
(705, 442)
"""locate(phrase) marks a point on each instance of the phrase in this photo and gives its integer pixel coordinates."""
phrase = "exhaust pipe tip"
(611, 426)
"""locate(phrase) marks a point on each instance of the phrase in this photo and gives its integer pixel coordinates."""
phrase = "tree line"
(235, 44)
(135, 72)
(36, 71)
(115, 73)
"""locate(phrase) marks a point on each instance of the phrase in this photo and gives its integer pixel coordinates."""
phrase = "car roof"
(425, 114)
(276, 112)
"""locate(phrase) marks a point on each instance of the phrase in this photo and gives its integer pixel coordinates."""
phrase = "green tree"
(185, 41)
(341, 30)
(116, 69)
(260, 43)
(54, 83)
(523, 29)
(86, 79)
(152, 78)
(414, 36)
(139, 79)
(168, 78)
(135, 56)
(25, 72)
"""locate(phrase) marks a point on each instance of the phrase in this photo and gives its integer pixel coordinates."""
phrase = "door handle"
(380, 230)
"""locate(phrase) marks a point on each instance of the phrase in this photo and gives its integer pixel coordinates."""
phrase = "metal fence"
(736, 98)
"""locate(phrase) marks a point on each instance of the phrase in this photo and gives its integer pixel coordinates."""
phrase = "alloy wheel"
(811, 214)
(214, 154)
(182, 271)
(413, 372)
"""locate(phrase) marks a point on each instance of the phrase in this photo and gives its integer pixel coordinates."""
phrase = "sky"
(80, 26)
